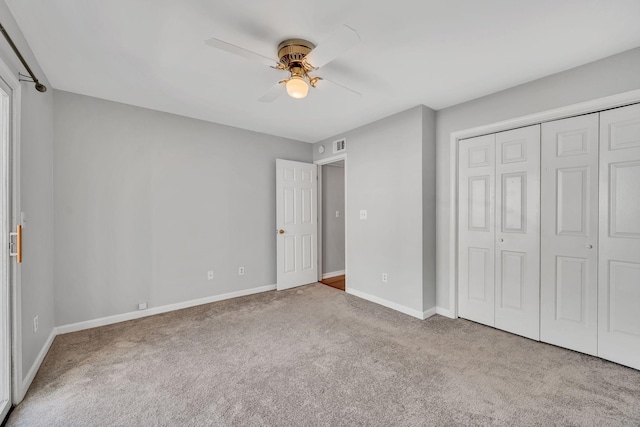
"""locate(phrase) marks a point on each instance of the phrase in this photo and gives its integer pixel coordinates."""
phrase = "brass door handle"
(281, 231)
(18, 244)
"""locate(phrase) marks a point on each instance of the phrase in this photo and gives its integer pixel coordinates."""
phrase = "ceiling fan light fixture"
(297, 87)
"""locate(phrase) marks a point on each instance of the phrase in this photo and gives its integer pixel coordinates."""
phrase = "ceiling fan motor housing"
(293, 51)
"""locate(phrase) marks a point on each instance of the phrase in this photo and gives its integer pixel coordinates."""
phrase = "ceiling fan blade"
(273, 93)
(339, 86)
(228, 47)
(340, 41)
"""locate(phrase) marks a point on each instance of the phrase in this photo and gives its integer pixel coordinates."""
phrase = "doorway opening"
(333, 224)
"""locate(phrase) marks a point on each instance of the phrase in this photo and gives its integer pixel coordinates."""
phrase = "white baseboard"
(444, 312)
(428, 313)
(389, 304)
(28, 379)
(332, 274)
(103, 321)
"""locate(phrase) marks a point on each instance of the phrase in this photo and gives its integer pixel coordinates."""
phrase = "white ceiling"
(151, 53)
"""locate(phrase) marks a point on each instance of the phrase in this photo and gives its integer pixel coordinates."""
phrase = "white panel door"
(297, 226)
(517, 253)
(476, 229)
(619, 249)
(569, 255)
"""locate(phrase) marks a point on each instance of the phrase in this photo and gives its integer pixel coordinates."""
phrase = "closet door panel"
(517, 247)
(476, 229)
(619, 254)
(569, 233)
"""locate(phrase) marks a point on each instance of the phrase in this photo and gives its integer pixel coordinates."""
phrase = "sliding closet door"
(476, 229)
(569, 255)
(619, 254)
(517, 255)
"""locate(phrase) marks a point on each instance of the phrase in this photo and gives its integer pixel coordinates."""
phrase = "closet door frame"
(592, 106)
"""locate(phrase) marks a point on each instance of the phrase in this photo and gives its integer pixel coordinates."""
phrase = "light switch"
(337, 214)
(363, 214)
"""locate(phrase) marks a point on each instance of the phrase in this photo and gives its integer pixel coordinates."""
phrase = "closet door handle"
(18, 244)
(589, 246)
(500, 240)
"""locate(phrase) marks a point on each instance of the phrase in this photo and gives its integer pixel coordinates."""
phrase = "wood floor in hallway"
(337, 282)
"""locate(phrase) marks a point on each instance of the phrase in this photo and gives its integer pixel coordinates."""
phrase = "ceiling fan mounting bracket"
(292, 52)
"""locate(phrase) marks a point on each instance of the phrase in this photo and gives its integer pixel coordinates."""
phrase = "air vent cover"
(339, 145)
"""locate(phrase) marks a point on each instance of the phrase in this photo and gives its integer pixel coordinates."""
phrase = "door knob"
(281, 231)
(501, 240)
(589, 246)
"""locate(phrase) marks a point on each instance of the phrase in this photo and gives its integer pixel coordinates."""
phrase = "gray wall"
(612, 75)
(36, 182)
(384, 176)
(36, 196)
(332, 227)
(147, 202)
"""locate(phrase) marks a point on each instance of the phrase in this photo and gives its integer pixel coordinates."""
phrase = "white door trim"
(14, 169)
(321, 162)
(332, 159)
(591, 106)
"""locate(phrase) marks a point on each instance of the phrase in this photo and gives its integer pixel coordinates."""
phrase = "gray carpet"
(318, 356)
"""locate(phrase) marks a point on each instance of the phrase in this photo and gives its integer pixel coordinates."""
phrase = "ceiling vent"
(339, 146)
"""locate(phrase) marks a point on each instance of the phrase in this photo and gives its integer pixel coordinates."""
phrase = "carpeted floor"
(318, 356)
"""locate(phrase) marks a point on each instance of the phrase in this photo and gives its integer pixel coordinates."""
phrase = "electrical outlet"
(363, 214)
(210, 275)
(337, 214)
(35, 324)
(384, 277)
(142, 306)
(241, 271)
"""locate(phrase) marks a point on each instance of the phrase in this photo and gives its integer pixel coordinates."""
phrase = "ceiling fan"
(299, 58)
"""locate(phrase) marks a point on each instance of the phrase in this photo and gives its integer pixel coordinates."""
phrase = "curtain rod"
(39, 86)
